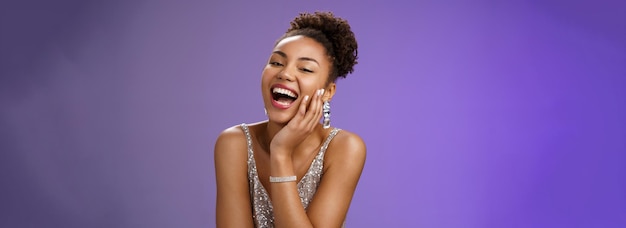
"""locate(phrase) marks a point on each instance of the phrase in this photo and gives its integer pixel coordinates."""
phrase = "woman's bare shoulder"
(234, 133)
(347, 145)
(349, 140)
(232, 138)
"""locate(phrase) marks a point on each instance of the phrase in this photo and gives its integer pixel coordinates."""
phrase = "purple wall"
(482, 114)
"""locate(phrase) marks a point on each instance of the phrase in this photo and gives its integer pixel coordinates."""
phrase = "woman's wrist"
(281, 165)
(280, 155)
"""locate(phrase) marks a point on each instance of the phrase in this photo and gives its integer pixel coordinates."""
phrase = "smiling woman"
(290, 170)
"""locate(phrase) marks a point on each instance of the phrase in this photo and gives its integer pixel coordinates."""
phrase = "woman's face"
(297, 67)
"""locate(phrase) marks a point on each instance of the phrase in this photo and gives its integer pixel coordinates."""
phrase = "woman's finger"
(303, 105)
(297, 120)
(314, 112)
(318, 109)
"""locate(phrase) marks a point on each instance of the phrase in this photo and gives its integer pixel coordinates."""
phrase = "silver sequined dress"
(261, 203)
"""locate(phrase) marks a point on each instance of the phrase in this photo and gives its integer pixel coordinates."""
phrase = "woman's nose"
(285, 74)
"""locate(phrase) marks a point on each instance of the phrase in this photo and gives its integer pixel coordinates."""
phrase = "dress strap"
(327, 141)
(246, 130)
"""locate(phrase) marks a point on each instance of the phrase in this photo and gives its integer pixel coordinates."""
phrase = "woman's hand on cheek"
(301, 126)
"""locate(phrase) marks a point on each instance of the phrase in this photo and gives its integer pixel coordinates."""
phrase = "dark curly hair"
(334, 34)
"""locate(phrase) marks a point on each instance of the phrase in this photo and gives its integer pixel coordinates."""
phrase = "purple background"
(475, 113)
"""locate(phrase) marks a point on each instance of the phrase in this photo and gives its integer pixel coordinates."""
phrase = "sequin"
(262, 210)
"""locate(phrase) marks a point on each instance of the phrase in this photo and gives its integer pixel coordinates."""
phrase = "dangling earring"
(326, 111)
(264, 109)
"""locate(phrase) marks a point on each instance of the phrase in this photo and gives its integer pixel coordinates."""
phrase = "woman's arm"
(233, 197)
(344, 161)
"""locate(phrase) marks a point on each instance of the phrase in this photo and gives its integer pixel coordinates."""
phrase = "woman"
(290, 170)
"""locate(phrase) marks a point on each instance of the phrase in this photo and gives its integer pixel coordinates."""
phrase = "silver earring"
(326, 110)
(264, 109)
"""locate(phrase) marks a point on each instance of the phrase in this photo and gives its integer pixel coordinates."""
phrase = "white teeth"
(284, 91)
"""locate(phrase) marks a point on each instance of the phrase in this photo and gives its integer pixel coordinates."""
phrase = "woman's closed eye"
(276, 64)
(306, 70)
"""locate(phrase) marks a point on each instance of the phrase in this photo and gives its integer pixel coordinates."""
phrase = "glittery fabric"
(261, 204)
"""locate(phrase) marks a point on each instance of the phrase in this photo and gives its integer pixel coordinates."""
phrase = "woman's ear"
(329, 91)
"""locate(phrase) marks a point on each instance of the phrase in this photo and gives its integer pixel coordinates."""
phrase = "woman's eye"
(276, 64)
(307, 70)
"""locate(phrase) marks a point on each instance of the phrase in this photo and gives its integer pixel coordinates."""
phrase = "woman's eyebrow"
(280, 53)
(309, 59)
(301, 58)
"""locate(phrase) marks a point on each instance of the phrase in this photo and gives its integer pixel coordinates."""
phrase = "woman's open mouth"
(283, 97)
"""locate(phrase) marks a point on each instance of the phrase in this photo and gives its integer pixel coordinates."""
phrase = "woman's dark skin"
(286, 144)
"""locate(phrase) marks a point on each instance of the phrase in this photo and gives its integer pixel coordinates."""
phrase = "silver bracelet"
(282, 179)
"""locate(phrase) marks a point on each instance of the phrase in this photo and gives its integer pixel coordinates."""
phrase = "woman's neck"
(270, 129)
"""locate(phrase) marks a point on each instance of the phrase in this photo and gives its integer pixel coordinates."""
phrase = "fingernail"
(306, 98)
(322, 92)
